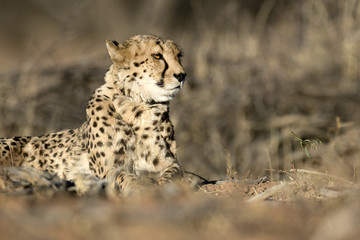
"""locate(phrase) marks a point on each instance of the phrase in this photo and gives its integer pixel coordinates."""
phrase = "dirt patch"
(305, 205)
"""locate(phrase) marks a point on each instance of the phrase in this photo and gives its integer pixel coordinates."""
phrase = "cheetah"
(127, 131)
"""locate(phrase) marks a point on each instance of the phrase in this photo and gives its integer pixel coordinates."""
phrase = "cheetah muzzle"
(127, 131)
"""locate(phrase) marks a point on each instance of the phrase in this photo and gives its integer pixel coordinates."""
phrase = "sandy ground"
(304, 205)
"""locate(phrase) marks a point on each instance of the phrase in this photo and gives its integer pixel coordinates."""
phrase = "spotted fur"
(127, 130)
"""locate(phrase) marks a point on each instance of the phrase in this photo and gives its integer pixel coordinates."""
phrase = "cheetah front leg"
(123, 182)
(168, 174)
(143, 118)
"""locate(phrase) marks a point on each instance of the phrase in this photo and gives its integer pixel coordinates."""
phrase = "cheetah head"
(147, 68)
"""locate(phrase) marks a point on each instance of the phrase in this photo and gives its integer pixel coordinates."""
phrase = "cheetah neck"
(122, 100)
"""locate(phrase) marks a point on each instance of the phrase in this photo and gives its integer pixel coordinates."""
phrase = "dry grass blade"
(269, 192)
(326, 175)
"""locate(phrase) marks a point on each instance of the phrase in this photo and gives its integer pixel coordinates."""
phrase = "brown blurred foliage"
(257, 70)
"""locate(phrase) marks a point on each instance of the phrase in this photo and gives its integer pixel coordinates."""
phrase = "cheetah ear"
(115, 51)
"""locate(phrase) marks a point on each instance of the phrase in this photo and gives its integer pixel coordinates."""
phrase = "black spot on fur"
(160, 83)
(136, 64)
(120, 151)
(138, 114)
(156, 161)
(169, 154)
(111, 107)
(32, 159)
(115, 43)
(165, 116)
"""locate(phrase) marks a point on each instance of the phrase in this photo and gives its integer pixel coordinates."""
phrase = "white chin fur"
(157, 94)
(149, 92)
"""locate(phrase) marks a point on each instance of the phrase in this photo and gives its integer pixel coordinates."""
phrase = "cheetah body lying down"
(127, 131)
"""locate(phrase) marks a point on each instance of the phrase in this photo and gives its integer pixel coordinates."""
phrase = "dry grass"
(257, 71)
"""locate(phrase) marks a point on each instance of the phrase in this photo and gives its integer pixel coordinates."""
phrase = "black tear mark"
(161, 82)
(165, 68)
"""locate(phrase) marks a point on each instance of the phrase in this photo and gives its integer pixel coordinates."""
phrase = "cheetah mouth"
(180, 86)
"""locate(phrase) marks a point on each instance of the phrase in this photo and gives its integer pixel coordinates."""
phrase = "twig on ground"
(269, 192)
(312, 172)
(321, 174)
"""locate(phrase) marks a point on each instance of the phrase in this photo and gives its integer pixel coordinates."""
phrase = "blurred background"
(257, 71)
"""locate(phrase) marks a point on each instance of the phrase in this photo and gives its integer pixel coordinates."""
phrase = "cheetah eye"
(157, 56)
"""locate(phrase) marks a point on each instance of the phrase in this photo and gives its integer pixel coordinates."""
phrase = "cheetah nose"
(180, 76)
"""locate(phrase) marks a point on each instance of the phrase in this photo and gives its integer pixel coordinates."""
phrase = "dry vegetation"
(257, 71)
